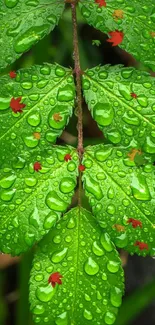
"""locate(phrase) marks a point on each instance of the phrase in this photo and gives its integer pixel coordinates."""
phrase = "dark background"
(138, 306)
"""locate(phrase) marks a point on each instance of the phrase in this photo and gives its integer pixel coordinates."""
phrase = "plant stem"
(77, 70)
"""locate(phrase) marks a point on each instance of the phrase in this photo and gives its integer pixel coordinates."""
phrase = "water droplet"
(25, 41)
(106, 242)
(34, 218)
(29, 239)
(4, 103)
(7, 195)
(67, 185)
(91, 267)
(7, 181)
(50, 220)
(87, 298)
(62, 319)
(109, 318)
(116, 297)
(38, 310)
(60, 71)
(66, 94)
(121, 240)
(110, 193)
(102, 155)
(114, 136)
(11, 3)
(97, 250)
(34, 119)
(149, 146)
(111, 209)
(31, 181)
(45, 293)
(30, 141)
(103, 74)
(58, 256)
(85, 12)
(103, 114)
(45, 70)
(140, 188)
(26, 85)
(113, 266)
(54, 202)
(93, 187)
(87, 314)
(58, 124)
(71, 223)
(52, 19)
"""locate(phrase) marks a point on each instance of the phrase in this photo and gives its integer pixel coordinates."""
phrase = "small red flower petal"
(116, 37)
(135, 223)
(67, 157)
(55, 278)
(133, 95)
(141, 245)
(82, 168)
(16, 106)
(12, 74)
(37, 166)
(101, 3)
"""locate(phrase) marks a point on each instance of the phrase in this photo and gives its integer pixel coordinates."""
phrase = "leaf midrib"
(120, 100)
(131, 201)
(31, 109)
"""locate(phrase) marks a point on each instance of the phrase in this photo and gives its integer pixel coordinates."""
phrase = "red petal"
(67, 157)
(12, 74)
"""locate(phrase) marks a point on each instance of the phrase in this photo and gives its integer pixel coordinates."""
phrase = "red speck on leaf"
(16, 106)
(67, 157)
(55, 278)
(82, 168)
(135, 223)
(12, 74)
(116, 37)
(37, 166)
(101, 3)
(141, 245)
(133, 95)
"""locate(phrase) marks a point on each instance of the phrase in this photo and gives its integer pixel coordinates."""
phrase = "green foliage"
(118, 191)
(35, 106)
(122, 118)
(32, 202)
(23, 24)
(136, 20)
(84, 255)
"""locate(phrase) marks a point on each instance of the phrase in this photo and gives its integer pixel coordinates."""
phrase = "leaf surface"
(48, 92)
(135, 20)
(122, 102)
(92, 282)
(31, 201)
(23, 24)
(122, 196)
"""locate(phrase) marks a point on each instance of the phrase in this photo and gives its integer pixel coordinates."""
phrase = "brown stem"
(77, 70)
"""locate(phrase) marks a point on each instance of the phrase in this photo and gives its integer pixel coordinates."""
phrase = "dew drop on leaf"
(103, 113)
(11, 3)
(91, 267)
(54, 202)
(87, 314)
(45, 293)
(58, 256)
(106, 242)
(140, 188)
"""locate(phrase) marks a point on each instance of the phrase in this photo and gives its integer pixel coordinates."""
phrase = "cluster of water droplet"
(89, 264)
(23, 24)
(137, 21)
(46, 90)
(32, 202)
(121, 117)
(118, 191)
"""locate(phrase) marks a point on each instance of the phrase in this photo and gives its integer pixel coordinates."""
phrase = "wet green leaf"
(92, 283)
(121, 196)
(122, 102)
(31, 202)
(48, 92)
(23, 24)
(136, 21)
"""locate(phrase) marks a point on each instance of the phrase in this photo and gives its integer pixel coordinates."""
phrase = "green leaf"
(23, 24)
(48, 92)
(31, 202)
(118, 192)
(122, 102)
(92, 282)
(136, 20)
